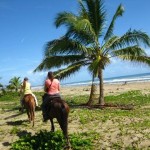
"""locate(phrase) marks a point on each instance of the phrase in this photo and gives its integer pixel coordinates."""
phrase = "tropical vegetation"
(2, 90)
(1, 84)
(14, 84)
(89, 41)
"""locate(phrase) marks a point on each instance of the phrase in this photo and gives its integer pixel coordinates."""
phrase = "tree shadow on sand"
(18, 122)
(23, 133)
(13, 116)
(107, 105)
(6, 143)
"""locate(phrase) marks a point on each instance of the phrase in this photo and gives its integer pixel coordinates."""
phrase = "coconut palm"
(1, 85)
(1, 88)
(88, 42)
(15, 83)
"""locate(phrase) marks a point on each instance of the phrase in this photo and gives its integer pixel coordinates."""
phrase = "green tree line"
(14, 85)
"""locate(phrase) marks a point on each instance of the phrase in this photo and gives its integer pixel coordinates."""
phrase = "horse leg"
(63, 122)
(29, 115)
(32, 116)
(52, 125)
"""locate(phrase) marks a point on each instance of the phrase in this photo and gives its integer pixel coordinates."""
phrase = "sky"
(27, 25)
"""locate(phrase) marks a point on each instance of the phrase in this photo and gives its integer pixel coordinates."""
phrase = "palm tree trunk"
(91, 93)
(101, 87)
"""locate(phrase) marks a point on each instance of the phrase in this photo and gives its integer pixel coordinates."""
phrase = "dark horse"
(29, 104)
(59, 109)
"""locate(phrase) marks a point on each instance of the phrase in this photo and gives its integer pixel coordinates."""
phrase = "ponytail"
(50, 75)
(24, 84)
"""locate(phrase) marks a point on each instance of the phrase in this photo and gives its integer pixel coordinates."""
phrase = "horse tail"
(64, 119)
(32, 109)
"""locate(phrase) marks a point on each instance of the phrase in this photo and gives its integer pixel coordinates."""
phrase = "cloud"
(42, 73)
(147, 51)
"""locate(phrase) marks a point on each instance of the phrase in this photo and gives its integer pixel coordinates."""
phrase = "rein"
(49, 86)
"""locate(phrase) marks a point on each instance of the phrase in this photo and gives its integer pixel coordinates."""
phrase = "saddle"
(49, 98)
(26, 95)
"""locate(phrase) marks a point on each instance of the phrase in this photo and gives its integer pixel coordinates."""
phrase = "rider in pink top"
(52, 89)
(52, 86)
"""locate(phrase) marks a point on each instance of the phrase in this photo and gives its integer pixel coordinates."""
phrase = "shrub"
(45, 140)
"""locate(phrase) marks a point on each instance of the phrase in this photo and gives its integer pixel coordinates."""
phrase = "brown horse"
(59, 109)
(29, 104)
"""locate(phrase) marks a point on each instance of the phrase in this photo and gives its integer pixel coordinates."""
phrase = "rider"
(26, 89)
(52, 89)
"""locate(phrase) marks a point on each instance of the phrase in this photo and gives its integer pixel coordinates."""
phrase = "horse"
(29, 104)
(59, 109)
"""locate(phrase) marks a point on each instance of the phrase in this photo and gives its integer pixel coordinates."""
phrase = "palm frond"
(82, 12)
(96, 15)
(66, 72)
(129, 52)
(65, 46)
(65, 18)
(1, 85)
(78, 27)
(82, 31)
(130, 38)
(133, 54)
(58, 61)
(145, 60)
(106, 47)
(118, 13)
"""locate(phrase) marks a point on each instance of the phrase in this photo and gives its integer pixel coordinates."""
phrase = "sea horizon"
(143, 77)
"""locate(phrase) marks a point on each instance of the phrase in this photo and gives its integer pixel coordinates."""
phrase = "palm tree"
(88, 42)
(15, 83)
(1, 86)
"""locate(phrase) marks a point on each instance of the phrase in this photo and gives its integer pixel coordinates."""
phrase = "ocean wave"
(113, 80)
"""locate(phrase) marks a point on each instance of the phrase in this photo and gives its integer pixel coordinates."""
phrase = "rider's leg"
(22, 105)
(36, 102)
(44, 108)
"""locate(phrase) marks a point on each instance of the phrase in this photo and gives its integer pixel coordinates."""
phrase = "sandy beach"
(127, 128)
(144, 87)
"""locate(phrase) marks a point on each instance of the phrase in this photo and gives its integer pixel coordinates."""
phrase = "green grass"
(131, 97)
(95, 126)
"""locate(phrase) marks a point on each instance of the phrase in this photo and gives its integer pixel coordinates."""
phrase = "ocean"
(144, 77)
(115, 80)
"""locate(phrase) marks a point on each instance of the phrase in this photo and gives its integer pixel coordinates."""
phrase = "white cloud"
(147, 51)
